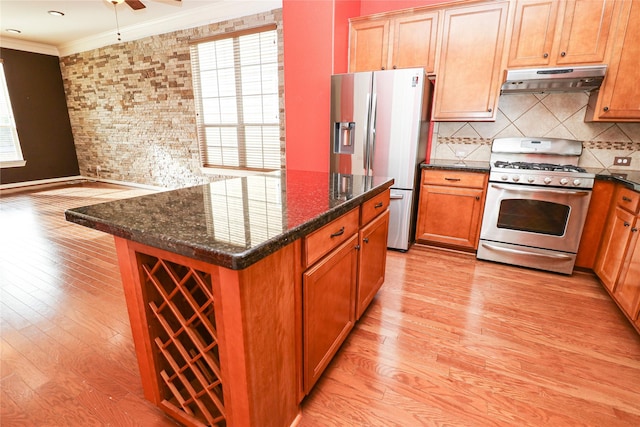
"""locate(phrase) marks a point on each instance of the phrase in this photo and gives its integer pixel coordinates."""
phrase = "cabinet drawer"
(372, 208)
(454, 178)
(323, 240)
(628, 199)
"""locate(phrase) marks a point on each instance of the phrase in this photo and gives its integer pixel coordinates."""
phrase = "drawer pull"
(338, 233)
(378, 205)
(451, 179)
(633, 230)
(626, 224)
(625, 199)
(366, 240)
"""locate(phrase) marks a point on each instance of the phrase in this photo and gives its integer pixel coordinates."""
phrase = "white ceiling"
(89, 24)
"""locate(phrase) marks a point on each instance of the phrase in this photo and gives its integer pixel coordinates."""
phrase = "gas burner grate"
(538, 166)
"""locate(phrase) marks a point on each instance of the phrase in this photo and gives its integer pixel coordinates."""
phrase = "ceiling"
(89, 24)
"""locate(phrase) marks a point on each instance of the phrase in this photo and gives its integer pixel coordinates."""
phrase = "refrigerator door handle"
(396, 196)
(365, 146)
(372, 129)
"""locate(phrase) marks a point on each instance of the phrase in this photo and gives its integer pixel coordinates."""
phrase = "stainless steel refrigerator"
(379, 127)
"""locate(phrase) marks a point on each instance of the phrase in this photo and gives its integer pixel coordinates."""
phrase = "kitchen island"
(240, 292)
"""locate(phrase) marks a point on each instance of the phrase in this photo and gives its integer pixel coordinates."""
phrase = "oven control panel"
(547, 179)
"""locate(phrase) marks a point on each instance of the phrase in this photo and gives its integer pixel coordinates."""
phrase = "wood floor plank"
(448, 340)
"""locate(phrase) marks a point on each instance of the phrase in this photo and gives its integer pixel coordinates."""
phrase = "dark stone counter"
(456, 165)
(236, 222)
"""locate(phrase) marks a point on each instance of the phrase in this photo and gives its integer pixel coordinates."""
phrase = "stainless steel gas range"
(536, 204)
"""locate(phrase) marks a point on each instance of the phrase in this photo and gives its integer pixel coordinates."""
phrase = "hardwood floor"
(449, 340)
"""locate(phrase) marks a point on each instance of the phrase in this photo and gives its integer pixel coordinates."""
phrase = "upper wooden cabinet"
(469, 71)
(618, 99)
(368, 45)
(402, 41)
(551, 32)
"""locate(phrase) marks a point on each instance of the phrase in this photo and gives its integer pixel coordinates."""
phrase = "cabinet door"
(414, 41)
(328, 307)
(373, 259)
(450, 215)
(619, 97)
(533, 31)
(469, 71)
(585, 31)
(595, 223)
(613, 247)
(368, 45)
(628, 289)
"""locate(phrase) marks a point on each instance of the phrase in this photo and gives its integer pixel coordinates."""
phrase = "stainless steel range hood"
(567, 79)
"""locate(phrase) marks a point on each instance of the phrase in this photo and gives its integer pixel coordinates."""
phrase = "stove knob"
(564, 181)
(515, 178)
(577, 182)
(547, 180)
(530, 179)
(504, 177)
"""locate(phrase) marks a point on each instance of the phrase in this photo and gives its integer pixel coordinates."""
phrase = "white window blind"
(10, 151)
(237, 96)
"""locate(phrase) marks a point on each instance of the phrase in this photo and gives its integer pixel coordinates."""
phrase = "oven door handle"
(519, 252)
(541, 189)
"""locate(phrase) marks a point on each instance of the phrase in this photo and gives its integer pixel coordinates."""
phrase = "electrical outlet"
(622, 161)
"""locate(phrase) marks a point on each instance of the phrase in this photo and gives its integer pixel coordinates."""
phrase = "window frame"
(18, 160)
(242, 169)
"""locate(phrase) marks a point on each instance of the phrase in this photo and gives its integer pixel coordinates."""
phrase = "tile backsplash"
(555, 115)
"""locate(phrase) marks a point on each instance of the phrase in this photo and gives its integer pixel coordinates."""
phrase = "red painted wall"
(308, 61)
(316, 45)
(370, 7)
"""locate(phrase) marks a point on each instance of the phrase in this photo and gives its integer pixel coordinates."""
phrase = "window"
(237, 92)
(10, 151)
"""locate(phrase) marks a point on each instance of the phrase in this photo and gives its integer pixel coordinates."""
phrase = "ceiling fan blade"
(135, 4)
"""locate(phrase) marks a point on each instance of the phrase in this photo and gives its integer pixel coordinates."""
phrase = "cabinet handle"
(382, 68)
(378, 205)
(633, 230)
(606, 108)
(477, 197)
(452, 179)
(366, 240)
(563, 54)
(546, 55)
(625, 199)
(338, 233)
(626, 224)
(394, 67)
(357, 247)
(490, 110)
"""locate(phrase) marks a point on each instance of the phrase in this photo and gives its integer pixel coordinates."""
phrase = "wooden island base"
(216, 346)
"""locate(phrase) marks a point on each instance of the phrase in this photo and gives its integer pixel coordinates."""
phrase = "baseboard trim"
(55, 181)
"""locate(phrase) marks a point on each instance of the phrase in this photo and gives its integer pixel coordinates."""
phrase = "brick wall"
(132, 109)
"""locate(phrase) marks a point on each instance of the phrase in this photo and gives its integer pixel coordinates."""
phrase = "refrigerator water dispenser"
(343, 137)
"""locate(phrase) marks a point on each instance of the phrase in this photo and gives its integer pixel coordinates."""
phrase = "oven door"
(539, 217)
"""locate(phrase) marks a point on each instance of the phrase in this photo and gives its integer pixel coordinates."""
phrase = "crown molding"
(11, 43)
(179, 21)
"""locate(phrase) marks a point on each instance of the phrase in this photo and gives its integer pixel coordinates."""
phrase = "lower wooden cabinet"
(627, 291)
(450, 208)
(615, 241)
(329, 291)
(372, 262)
(618, 261)
(345, 267)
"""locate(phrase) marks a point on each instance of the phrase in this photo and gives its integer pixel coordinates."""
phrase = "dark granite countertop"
(236, 222)
(631, 178)
(470, 166)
